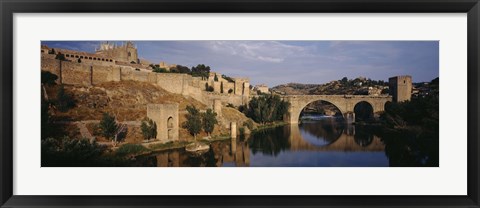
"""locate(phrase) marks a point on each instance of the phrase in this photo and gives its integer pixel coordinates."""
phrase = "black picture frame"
(9, 7)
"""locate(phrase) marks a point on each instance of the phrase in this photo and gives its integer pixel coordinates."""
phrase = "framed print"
(247, 104)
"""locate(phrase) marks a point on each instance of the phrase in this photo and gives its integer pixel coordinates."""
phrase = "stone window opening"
(170, 128)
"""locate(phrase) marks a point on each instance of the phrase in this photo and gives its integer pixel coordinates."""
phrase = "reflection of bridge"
(238, 153)
(345, 103)
(345, 143)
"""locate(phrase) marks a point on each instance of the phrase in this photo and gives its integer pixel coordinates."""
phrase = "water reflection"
(322, 132)
(310, 144)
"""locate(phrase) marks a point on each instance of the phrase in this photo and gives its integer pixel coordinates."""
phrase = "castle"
(111, 62)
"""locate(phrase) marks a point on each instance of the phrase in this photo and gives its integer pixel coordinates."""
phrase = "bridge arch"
(323, 103)
(298, 108)
(363, 110)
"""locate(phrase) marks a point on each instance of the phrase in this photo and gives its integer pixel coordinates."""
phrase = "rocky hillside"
(128, 101)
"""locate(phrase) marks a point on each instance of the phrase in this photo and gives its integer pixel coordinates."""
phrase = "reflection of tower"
(400, 88)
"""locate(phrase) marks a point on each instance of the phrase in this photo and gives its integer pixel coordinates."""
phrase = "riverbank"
(270, 126)
(135, 150)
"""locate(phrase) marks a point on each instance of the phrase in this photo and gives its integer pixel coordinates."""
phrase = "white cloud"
(267, 51)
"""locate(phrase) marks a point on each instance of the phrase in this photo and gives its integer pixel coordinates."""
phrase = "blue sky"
(281, 62)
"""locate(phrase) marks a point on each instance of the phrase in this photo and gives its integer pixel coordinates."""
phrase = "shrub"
(71, 152)
(210, 89)
(160, 70)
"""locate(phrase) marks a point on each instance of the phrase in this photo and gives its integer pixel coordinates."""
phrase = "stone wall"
(171, 82)
(236, 100)
(74, 73)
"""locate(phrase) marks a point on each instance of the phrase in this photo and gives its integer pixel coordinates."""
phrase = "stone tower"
(166, 118)
(400, 88)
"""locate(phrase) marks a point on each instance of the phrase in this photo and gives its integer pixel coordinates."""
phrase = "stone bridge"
(344, 103)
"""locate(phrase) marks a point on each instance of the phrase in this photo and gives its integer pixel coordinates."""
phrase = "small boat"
(197, 148)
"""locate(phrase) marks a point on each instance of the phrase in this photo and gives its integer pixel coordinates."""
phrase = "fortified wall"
(98, 70)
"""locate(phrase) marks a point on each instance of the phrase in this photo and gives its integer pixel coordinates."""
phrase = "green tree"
(64, 100)
(183, 69)
(200, 71)
(194, 121)
(108, 126)
(267, 108)
(149, 129)
(215, 78)
(209, 119)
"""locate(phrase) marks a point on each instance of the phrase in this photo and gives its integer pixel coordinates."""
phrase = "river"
(315, 142)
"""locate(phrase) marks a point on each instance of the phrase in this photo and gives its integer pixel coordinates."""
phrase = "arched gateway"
(345, 103)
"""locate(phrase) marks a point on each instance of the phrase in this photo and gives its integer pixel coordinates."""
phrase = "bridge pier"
(349, 117)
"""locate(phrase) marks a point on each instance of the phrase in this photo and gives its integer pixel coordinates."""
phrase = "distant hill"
(345, 86)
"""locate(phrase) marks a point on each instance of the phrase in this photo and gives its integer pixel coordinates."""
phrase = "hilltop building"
(127, 52)
(261, 88)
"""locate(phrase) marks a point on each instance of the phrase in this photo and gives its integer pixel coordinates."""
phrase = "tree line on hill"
(201, 70)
